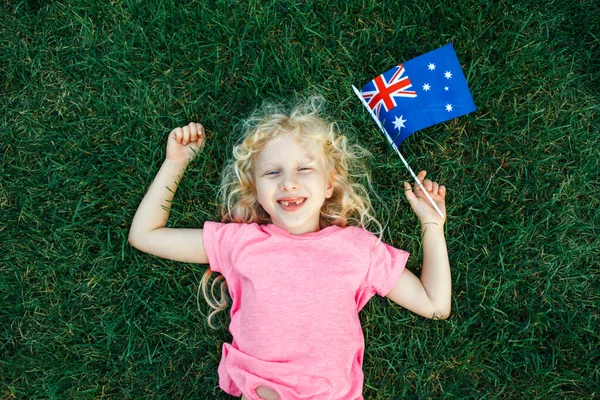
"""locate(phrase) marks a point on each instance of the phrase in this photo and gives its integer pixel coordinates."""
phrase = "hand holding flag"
(438, 92)
(419, 203)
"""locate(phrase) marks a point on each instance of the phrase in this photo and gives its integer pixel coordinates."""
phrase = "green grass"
(88, 93)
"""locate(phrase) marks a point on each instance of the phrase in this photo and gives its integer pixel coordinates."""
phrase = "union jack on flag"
(387, 88)
(438, 92)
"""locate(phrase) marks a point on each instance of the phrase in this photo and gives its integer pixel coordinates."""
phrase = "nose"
(289, 183)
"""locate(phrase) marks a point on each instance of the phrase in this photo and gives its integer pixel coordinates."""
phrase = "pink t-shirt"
(295, 304)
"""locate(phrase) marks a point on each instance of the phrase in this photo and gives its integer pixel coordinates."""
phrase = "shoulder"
(359, 234)
(223, 242)
(361, 238)
(215, 226)
(353, 238)
(232, 231)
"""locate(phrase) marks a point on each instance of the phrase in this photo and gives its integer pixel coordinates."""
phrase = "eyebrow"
(307, 160)
(302, 161)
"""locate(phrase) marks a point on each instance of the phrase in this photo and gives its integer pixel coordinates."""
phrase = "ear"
(329, 189)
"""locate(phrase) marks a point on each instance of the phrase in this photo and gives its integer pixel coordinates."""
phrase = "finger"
(442, 191)
(186, 134)
(420, 178)
(428, 185)
(421, 175)
(201, 134)
(417, 188)
(193, 132)
(410, 196)
(177, 134)
(435, 188)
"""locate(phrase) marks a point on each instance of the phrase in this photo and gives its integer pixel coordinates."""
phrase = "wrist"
(431, 225)
(181, 163)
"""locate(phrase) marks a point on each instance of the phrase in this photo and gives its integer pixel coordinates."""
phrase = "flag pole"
(398, 151)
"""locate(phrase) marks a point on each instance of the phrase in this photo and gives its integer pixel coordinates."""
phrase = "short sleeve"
(385, 267)
(219, 240)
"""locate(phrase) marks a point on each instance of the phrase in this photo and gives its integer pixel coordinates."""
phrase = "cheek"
(262, 192)
(259, 193)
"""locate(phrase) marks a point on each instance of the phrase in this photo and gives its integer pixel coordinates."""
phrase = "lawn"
(89, 91)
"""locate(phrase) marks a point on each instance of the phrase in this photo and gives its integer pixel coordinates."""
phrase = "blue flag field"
(424, 91)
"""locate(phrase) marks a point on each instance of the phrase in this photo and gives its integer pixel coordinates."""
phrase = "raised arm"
(430, 295)
(148, 232)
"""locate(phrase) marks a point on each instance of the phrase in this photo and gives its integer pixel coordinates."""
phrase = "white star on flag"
(431, 66)
(448, 75)
(426, 87)
(399, 122)
(448, 107)
(446, 88)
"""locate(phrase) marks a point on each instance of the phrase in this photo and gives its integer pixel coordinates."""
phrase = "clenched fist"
(184, 143)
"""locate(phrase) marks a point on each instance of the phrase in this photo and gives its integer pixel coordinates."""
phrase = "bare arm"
(148, 232)
(429, 296)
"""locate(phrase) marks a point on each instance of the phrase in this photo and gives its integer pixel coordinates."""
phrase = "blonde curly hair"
(349, 204)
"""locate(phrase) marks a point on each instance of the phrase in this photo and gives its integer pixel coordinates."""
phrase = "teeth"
(287, 203)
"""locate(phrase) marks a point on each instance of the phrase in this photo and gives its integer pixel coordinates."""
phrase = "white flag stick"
(398, 151)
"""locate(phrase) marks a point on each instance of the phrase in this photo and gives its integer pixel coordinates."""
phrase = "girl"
(293, 249)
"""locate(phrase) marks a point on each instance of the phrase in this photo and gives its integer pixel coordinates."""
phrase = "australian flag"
(424, 91)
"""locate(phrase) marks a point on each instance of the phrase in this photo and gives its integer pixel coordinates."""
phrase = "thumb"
(410, 196)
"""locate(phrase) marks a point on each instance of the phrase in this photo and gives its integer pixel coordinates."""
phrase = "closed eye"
(271, 173)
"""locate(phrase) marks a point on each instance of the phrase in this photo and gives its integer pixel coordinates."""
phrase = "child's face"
(292, 183)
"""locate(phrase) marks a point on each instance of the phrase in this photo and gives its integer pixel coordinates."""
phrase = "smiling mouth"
(292, 204)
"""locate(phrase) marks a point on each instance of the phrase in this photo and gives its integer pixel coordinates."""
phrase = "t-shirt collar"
(276, 230)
